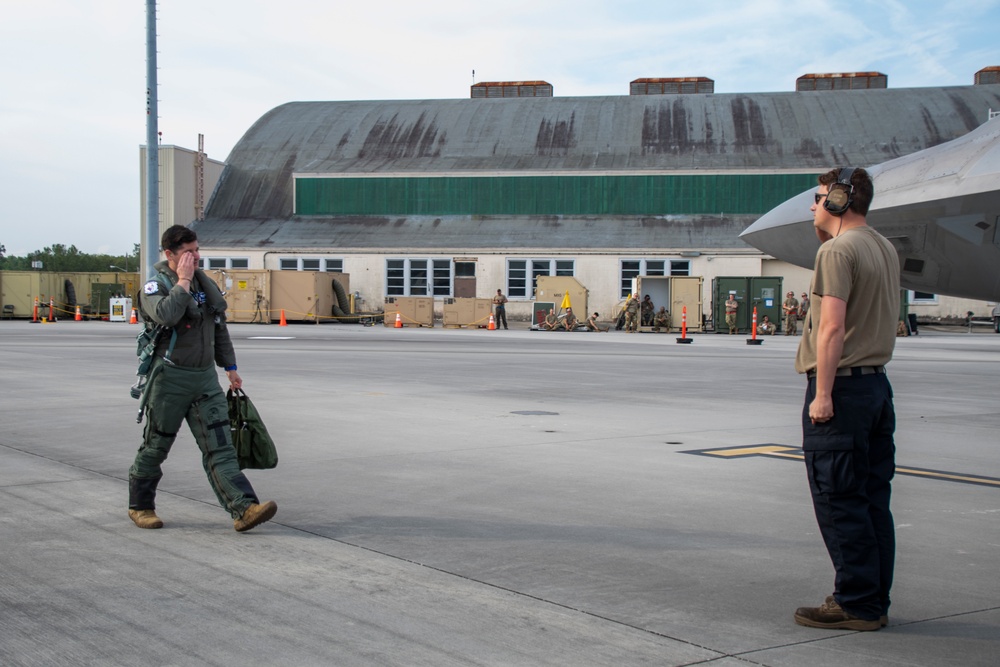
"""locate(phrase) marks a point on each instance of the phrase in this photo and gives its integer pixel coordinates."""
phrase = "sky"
(73, 72)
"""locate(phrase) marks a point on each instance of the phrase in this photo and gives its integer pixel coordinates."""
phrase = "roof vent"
(841, 81)
(988, 75)
(511, 89)
(672, 86)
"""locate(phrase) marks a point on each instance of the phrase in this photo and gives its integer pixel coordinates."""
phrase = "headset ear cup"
(837, 201)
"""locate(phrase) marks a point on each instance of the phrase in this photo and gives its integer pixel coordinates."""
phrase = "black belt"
(853, 371)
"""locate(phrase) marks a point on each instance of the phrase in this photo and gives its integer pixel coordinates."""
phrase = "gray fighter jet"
(940, 208)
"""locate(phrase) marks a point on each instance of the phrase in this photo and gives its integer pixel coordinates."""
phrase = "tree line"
(60, 258)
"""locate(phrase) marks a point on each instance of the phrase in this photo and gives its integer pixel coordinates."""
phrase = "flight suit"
(186, 387)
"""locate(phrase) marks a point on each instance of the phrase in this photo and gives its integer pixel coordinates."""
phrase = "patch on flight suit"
(152, 287)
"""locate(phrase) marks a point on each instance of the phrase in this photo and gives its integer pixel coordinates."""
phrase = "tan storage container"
(414, 311)
(555, 289)
(247, 293)
(466, 312)
(303, 295)
(676, 293)
(21, 288)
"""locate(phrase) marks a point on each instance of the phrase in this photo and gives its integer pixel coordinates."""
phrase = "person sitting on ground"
(766, 326)
(661, 321)
(647, 308)
(569, 321)
(551, 321)
(592, 323)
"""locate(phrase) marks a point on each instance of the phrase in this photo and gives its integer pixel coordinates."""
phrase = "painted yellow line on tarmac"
(786, 452)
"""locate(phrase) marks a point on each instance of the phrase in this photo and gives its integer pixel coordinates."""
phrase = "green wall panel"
(549, 195)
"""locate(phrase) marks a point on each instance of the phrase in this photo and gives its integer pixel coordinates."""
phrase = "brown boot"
(255, 515)
(145, 518)
(832, 615)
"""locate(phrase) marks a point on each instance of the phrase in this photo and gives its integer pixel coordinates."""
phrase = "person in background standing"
(732, 305)
(500, 309)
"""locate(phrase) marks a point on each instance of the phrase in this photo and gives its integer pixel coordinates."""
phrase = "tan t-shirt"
(861, 267)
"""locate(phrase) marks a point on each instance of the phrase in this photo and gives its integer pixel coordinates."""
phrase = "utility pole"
(151, 240)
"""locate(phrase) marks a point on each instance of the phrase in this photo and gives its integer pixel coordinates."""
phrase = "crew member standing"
(631, 314)
(848, 419)
(500, 310)
(184, 385)
(791, 309)
(804, 306)
(731, 307)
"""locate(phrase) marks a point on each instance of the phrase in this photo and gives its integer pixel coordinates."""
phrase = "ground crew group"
(792, 309)
(644, 313)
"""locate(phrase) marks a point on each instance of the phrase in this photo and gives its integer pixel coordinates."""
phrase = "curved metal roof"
(697, 133)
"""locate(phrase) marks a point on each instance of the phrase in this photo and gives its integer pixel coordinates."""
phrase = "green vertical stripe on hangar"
(548, 195)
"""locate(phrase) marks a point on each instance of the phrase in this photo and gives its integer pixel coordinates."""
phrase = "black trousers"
(850, 461)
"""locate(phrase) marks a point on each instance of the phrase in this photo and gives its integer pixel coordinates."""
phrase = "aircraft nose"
(786, 231)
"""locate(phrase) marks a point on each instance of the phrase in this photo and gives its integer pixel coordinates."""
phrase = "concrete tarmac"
(466, 497)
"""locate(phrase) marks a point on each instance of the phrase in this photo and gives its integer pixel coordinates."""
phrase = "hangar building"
(461, 197)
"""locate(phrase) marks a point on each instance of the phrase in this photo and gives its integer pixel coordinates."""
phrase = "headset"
(841, 194)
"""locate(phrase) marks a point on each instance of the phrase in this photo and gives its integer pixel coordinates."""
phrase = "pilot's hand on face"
(186, 266)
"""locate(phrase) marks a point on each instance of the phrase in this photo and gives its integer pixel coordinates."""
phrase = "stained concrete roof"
(613, 134)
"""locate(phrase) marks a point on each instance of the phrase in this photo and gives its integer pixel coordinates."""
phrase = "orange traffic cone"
(134, 319)
(399, 322)
(34, 313)
(284, 322)
(78, 317)
(493, 324)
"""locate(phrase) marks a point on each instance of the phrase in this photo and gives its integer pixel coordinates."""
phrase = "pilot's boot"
(254, 515)
(141, 507)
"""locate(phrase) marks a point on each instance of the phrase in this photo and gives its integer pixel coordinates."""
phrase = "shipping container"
(675, 293)
(414, 311)
(247, 293)
(557, 288)
(465, 312)
(760, 292)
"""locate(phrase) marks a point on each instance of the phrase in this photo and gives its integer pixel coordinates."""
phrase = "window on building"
(679, 267)
(217, 263)
(522, 274)
(418, 277)
(923, 298)
(311, 264)
(465, 269)
(631, 268)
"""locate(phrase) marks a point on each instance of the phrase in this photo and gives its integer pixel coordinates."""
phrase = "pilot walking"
(184, 386)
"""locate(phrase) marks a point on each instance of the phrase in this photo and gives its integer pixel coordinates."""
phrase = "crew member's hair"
(176, 236)
(864, 191)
